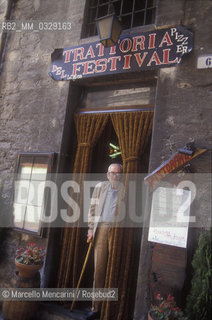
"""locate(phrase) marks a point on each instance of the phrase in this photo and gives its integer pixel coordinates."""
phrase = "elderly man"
(100, 218)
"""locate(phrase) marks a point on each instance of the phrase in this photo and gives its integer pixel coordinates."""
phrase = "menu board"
(170, 216)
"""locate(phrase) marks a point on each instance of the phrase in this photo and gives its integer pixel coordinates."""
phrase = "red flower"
(31, 244)
(166, 308)
(31, 254)
(170, 297)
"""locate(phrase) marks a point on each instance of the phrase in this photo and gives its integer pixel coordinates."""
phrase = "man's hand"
(90, 237)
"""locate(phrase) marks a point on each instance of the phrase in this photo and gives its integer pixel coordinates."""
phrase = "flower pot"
(27, 270)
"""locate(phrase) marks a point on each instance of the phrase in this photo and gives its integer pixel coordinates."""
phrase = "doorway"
(97, 134)
(105, 152)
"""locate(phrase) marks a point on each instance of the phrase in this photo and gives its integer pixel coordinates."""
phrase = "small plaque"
(204, 61)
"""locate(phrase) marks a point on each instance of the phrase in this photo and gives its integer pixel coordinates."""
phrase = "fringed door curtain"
(133, 130)
(89, 128)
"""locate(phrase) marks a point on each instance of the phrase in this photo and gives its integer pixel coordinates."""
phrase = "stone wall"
(184, 92)
(183, 105)
(182, 108)
(32, 105)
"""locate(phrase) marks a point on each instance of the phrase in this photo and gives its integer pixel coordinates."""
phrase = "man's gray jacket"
(97, 204)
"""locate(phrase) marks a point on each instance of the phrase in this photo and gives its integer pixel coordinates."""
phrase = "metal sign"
(160, 48)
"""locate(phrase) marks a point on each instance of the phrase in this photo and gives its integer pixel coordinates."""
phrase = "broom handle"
(82, 272)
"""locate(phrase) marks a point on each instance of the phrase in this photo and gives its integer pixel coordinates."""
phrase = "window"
(131, 13)
(29, 197)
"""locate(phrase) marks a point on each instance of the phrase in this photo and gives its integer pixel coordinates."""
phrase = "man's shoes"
(93, 315)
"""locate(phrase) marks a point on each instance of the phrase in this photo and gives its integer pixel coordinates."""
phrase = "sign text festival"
(150, 50)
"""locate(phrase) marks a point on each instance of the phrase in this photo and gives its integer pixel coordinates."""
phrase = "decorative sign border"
(159, 48)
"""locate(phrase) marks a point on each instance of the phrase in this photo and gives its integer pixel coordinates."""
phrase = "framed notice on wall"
(170, 216)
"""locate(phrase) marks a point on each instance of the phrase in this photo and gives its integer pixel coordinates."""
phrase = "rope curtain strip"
(89, 128)
(133, 130)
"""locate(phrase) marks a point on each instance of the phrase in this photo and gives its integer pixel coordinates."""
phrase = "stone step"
(52, 311)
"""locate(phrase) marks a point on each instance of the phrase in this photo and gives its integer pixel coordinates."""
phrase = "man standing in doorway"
(101, 216)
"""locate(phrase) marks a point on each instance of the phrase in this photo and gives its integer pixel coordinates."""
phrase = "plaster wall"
(32, 105)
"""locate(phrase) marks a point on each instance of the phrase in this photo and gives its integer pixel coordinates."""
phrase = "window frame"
(50, 157)
(86, 23)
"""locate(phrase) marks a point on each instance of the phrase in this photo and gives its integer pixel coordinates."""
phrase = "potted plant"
(199, 299)
(29, 260)
(165, 309)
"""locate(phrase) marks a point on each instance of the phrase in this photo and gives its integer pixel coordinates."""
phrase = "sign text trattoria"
(149, 50)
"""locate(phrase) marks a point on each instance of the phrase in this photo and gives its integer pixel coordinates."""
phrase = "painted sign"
(173, 163)
(160, 48)
(204, 61)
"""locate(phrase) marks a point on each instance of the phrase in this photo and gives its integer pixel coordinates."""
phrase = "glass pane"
(103, 1)
(140, 4)
(105, 27)
(36, 192)
(138, 19)
(41, 160)
(18, 213)
(24, 170)
(92, 15)
(21, 191)
(91, 30)
(127, 6)
(112, 96)
(151, 3)
(117, 7)
(116, 29)
(93, 3)
(32, 218)
(150, 16)
(40, 168)
(102, 11)
(95, 30)
(126, 22)
(39, 172)
(25, 159)
(25, 166)
(29, 191)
